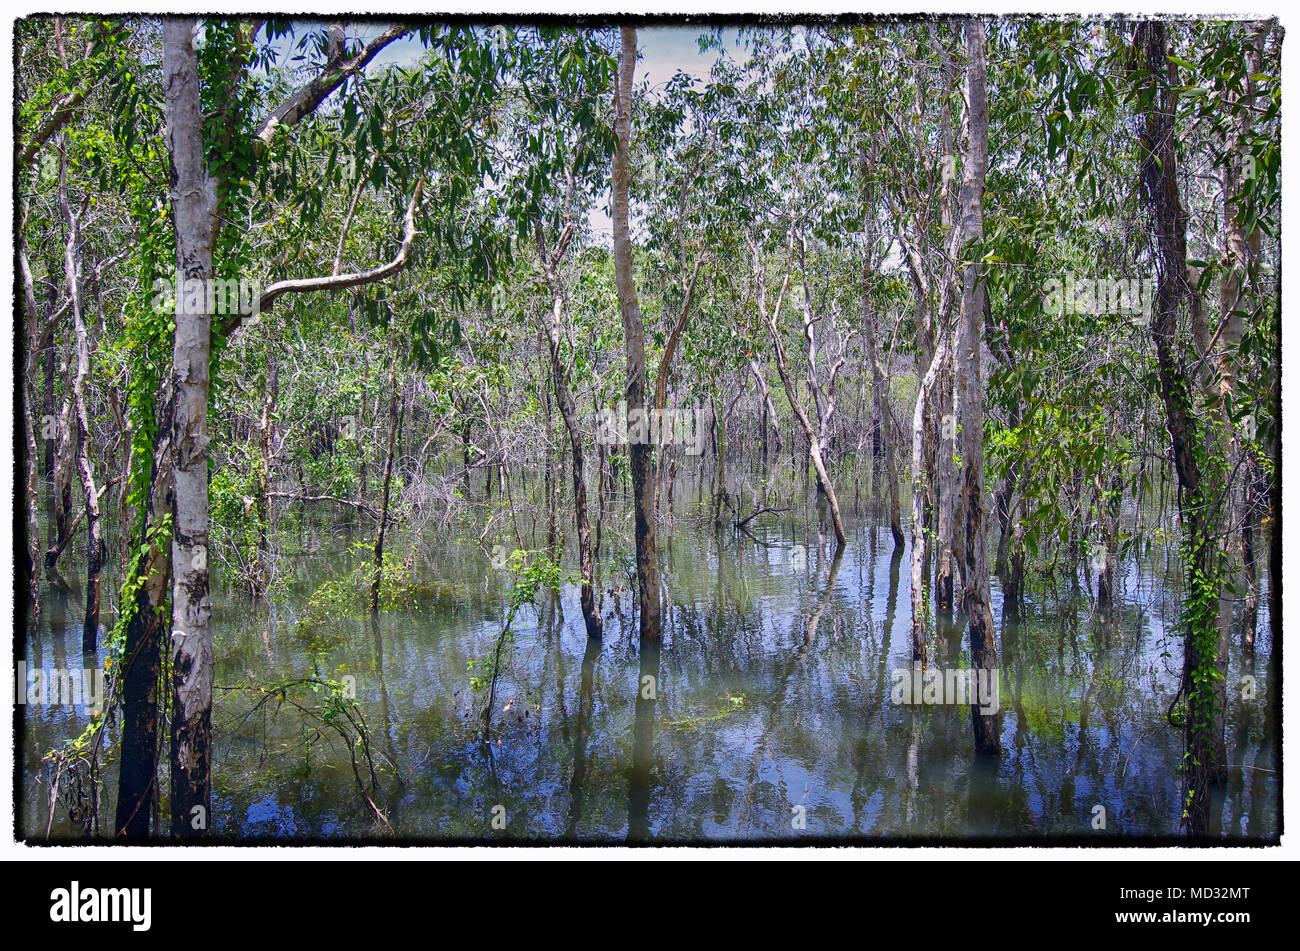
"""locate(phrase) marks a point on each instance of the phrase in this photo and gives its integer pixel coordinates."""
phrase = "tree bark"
(142, 651)
(918, 497)
(1193, 440)
(975, 598)
(946, 489)
(72, 270)
(193, 206)
(640, 450)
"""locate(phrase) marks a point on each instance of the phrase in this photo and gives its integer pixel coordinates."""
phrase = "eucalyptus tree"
(74, 274)
(1241, 105)
(1053, 221)
(874, 335)
(876, 188)
(687, 220)
(64, 63)
(860, 88)
(1091, 90)
(700, 196)
(918, 192)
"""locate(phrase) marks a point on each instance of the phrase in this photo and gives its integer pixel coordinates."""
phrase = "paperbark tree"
(641, 450)
(32, 569)
(879, 384)
(72, 269)
(1242, 247)
(947, 488)
(180, 466)
(814, 434)
(933, 361)
(975, 598)
(193, 196)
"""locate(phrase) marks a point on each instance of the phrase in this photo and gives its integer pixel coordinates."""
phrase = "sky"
(664, 50)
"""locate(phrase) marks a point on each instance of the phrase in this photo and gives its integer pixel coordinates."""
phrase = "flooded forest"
(857, 432)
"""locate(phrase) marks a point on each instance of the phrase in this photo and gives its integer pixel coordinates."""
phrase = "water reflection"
(771, 691)
(585, 704)
(638, 790)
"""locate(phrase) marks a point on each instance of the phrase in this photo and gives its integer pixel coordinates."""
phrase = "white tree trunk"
(193, 204)
(640, 452)
(983, 648)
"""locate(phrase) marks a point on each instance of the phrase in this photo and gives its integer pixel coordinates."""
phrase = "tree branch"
(335, 282)
(306, 98)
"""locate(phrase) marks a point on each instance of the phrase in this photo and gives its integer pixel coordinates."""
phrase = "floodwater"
(771, 718)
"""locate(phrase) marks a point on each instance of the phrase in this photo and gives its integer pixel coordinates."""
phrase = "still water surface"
(773, 717)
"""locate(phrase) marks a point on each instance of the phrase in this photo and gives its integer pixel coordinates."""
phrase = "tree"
(641, 451)
(1198, 436)
(975, 598)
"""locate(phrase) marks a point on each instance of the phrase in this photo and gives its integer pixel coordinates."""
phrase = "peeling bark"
(975, 598)
(193, 206)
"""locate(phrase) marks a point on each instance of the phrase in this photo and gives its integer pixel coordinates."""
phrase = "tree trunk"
(51, 368)
(771, 422)
(1193, 440)
(94, 540)
(569, 412)
(640, 450)
(553, 477)
(393, 424)
(880, 402)
(945, 491)
(193, 206)
(918, 496)
(64, 473)
(1250, 604)
(142, 651)
(267, 440)
(975, 598)
(32, 570)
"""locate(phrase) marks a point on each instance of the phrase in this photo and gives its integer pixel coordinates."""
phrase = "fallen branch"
(324, 498)
(757, 512)
(54, 551)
